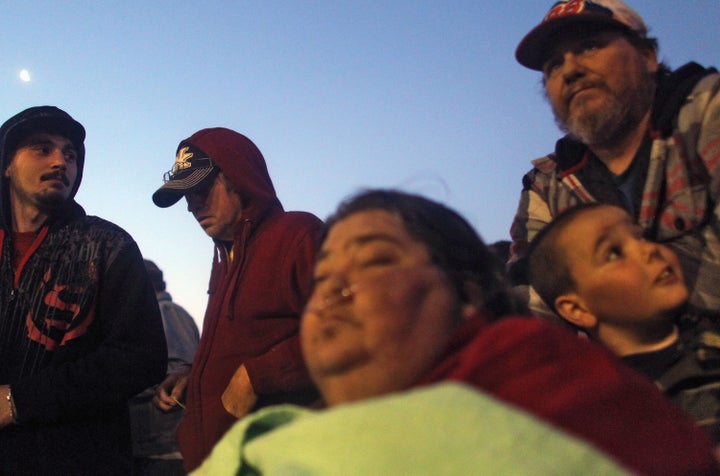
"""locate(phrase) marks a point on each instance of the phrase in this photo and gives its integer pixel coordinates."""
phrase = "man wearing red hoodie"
(249, 354)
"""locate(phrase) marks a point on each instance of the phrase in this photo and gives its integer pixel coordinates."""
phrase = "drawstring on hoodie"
(236, 263)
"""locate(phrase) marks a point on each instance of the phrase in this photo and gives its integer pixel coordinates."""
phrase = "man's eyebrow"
(39, 139)
(35, 140)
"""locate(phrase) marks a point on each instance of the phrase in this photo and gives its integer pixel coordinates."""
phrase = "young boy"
(592, 266)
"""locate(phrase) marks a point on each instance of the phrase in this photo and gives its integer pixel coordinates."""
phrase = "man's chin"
(594, 126)
(52, 201)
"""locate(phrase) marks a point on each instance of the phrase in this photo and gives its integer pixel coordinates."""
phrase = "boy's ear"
(573, 309)
(651, 61)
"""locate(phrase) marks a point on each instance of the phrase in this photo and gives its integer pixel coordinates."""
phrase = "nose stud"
(347, 291)
(335, 297)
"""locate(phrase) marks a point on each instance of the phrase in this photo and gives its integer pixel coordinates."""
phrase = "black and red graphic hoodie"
(80, 329)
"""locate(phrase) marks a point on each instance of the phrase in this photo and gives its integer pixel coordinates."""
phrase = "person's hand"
(6, 414)
(171, 392)
(239, 396)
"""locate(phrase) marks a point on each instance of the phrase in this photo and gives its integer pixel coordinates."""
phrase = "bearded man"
(638, 135)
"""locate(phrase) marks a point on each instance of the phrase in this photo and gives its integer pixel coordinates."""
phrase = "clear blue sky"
(424, 95)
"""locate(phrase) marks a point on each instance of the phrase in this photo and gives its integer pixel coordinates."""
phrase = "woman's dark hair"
(453, 244)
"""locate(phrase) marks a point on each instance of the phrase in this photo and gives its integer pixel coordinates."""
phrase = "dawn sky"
(421, 95)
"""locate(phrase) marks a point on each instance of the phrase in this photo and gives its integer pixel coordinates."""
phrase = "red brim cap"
(588, 15)
(534, 48)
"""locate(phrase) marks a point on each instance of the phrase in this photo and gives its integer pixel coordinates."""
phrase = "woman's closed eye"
(319, 279)
(377, 260)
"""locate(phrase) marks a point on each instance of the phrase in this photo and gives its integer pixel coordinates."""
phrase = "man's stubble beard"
(50, 202)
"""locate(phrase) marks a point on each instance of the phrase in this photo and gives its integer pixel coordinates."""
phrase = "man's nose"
(572, 67)
(58, 159)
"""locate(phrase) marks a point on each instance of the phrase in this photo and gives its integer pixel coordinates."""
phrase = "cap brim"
(534, 48)
(174, 189)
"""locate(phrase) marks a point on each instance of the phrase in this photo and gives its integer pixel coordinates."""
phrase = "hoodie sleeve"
(128, 354)
(282, 368)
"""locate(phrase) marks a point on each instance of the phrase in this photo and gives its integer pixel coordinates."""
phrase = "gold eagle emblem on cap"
(182, 159)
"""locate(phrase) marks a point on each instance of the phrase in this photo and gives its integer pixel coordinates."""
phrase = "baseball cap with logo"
(191, 170)
(534, 48)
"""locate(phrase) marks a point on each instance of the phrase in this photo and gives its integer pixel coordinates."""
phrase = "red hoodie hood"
(243, 164)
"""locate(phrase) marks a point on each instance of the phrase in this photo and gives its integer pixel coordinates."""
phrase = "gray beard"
(605, 127)
(602, 127)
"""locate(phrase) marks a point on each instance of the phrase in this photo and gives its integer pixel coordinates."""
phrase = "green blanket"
(444, 429)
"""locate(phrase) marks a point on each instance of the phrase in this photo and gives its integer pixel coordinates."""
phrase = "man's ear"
(651, 61)
(573, 309)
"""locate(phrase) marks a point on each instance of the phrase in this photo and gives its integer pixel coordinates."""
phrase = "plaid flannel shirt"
(680, 198)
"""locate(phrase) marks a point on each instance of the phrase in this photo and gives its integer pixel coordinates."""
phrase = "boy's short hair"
(548, 268)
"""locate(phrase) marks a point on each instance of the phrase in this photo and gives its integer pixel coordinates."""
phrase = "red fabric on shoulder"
(580, 387)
